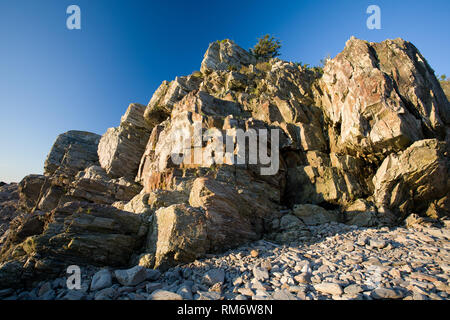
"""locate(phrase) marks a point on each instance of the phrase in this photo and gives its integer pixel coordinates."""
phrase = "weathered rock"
(120, 149)
(322, 178)
(131, 277)
(77, 233)
(328, 288)
(9, 207)
(290, 229)
(283, 294)
(225, 55)
(412, 179)
(228, 218)
(139, 204)
(101, 280)
(74, 295)
(147, 260)
(353, 289)
(106, 294)
(165, 97)
(378, 97)
(30, 190)
(186, 292)
(361, 213)
(72, 151)
(313, 215)
(384, 293)
(178, 235)
(93, 184)
(153, 286)
(373, 102)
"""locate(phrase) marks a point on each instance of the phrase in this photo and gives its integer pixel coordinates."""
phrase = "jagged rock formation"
(120, 149)
(365, 143)
(9, 207)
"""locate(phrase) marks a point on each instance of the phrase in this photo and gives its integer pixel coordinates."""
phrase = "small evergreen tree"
(266, 48)
(443, 77)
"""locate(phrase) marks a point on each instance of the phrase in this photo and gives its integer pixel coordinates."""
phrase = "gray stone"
(131, 277)
(214, 276)
(153, 274)
(353, 289)
(282, 294)
(101, 280)
(379, 244)
(384, 293)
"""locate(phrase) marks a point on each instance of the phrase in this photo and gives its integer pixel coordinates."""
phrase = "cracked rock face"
(72, 151)
(409, 181)
(120, 149)
(222, 55)
(381, 97)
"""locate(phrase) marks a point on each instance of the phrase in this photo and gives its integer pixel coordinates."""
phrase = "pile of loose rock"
(338, 262)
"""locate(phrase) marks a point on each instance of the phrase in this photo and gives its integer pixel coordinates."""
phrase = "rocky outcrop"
(165, 97)
(72, 151)
(9, 207)
(120, 149)
(364, 143)
(30, 190)
(225, 55)
(75, 233)
(93, 184)
(381, 97)
(411, 180)
(179, 235)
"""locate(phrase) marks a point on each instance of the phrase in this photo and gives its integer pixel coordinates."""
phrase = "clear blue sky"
(53, 79)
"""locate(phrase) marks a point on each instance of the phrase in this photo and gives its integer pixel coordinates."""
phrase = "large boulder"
(72, 151)
(234, 215)
(381, 97)
(411, 180)
(179, 235)
(29, 191)
(225, 55)
(120, 149)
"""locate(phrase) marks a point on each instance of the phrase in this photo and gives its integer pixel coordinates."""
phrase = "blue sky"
(53, 79)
